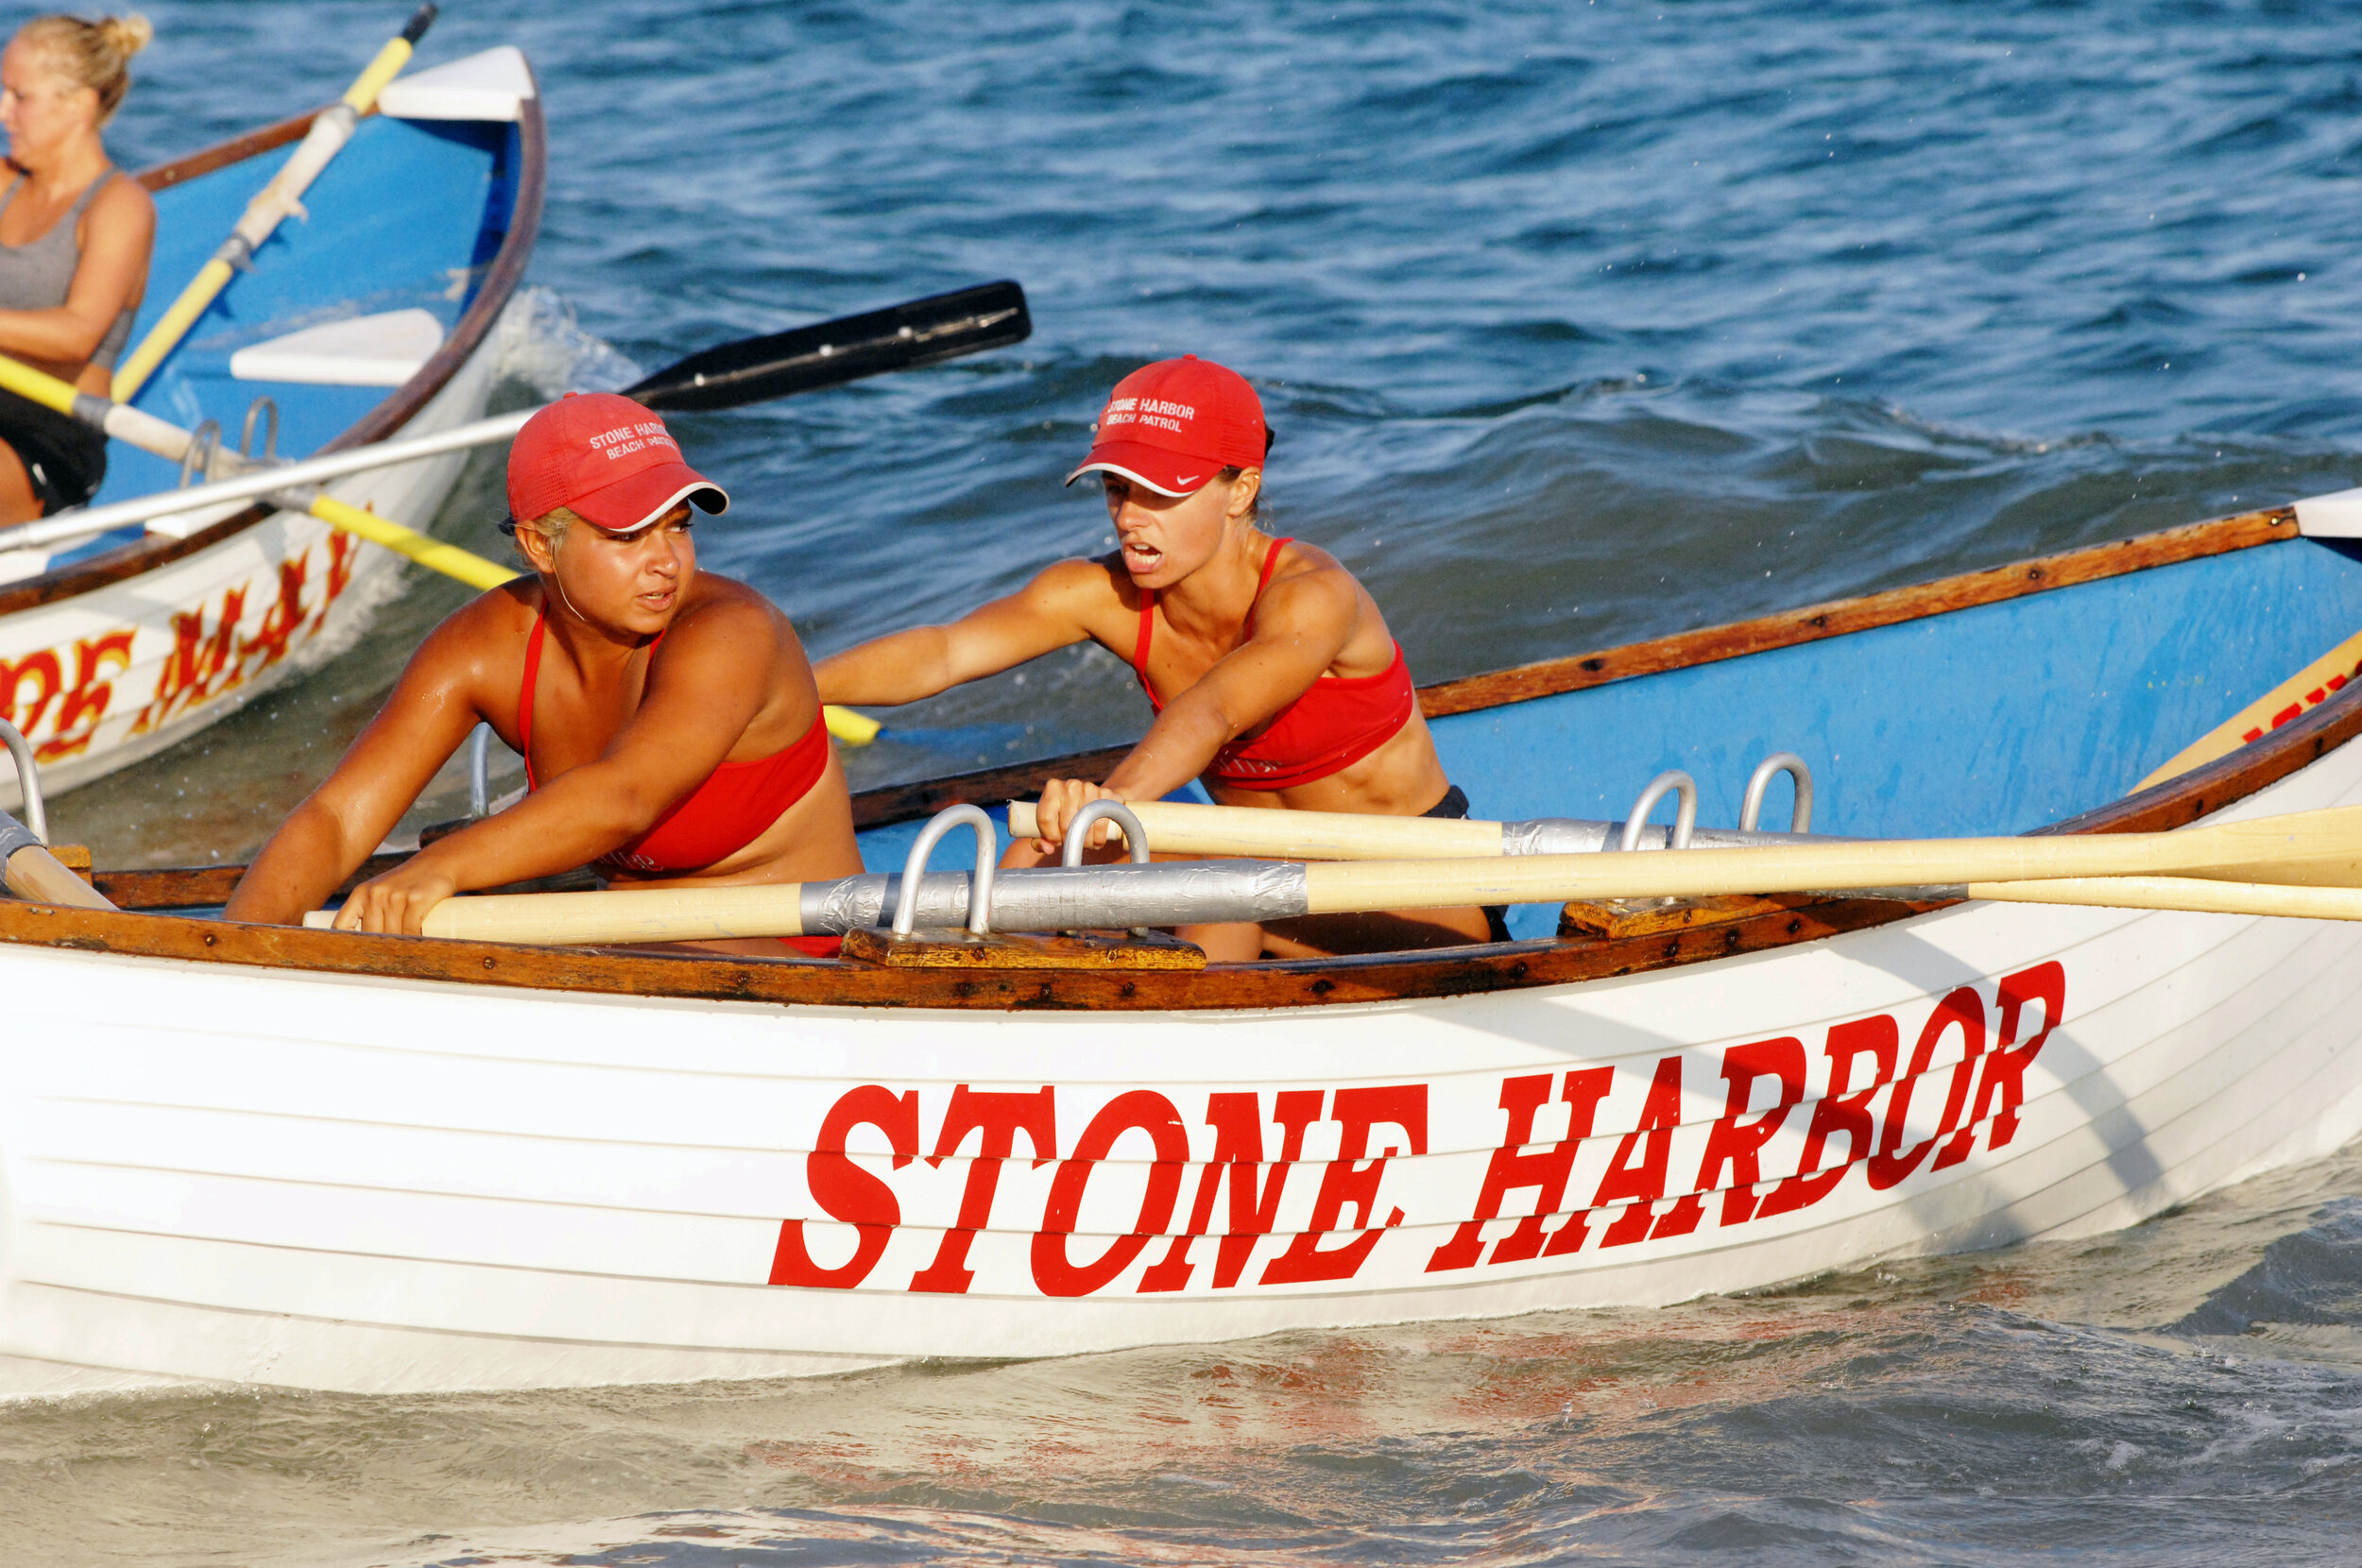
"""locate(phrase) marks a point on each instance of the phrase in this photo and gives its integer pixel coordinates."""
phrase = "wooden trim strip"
(236, 150)
(1682, 651)
(500, 281)
(790, 981)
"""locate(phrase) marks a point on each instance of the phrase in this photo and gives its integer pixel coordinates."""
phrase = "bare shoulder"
(124, 201)
(1310, 581)
(483, 637)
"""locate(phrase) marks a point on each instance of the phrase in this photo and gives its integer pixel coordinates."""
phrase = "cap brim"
(1168, 473)
(633, 502)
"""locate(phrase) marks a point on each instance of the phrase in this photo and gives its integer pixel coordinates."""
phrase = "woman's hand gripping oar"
(330, 129)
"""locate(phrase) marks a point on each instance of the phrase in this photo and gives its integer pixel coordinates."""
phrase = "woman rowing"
(667, 718)
(1272, 671)
(75, 240)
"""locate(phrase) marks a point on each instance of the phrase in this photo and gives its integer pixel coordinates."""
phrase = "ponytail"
(95, 55)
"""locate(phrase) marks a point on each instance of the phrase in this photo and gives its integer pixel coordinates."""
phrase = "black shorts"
(66, 458)
(1455, 806)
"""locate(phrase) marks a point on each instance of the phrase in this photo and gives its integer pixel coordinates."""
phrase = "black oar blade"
(754, 369)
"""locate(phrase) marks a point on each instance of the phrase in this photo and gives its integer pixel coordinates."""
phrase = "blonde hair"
(551, 525)
(95, 55)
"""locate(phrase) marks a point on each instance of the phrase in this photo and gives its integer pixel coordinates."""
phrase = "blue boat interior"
(1993, 720)
(409, 215)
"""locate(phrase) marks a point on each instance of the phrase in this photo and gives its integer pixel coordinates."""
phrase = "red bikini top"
(1338, 721)
(721, 816)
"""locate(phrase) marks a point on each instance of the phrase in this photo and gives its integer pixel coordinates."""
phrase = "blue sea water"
(1578, 322)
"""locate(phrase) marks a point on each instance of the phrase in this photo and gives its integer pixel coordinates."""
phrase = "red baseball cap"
(606, 458)
(1174, 424)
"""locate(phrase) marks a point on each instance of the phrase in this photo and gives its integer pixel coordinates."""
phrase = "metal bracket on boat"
(1078, 829)
(1134, 835)
(480, 772)
(1684, 820)
(987, 853)
(264, 404)
(27, 780)
(1800, 818)
(198, 456)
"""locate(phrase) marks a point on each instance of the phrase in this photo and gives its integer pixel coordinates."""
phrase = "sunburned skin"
(1202, 555)
(618, 737)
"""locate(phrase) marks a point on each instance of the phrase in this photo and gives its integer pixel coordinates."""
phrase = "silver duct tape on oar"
(1059, 899)
(27, 780)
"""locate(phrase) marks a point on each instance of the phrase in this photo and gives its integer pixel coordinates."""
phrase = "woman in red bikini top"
(1274, 677)
(667, 717)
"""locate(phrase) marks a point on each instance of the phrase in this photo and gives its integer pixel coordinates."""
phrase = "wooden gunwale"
(1390, 977)
(500, 281)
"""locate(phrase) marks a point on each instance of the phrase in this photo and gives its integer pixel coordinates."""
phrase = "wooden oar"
(330, 129)
(2306, 852)
(31, 872)
(777, 364)
(1182, 827)
(923, 332)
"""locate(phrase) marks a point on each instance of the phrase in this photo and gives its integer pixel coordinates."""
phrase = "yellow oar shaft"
(448, 559)
(327, 137)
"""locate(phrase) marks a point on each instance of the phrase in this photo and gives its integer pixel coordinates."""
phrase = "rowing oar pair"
(2308, 865)
(729, 375)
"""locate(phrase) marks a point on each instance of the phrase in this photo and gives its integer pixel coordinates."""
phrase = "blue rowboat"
(371, 317)
(388, 1163)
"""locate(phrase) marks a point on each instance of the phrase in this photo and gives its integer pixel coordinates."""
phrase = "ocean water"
(1578, 322)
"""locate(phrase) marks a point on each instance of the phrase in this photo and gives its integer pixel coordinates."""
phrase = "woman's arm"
(1052, 612)
(118, 233)
(699, 702)
(327, 838)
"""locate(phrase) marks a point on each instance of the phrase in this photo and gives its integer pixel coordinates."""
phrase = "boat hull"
(121, 647)
(109, 677)
(267, 1175)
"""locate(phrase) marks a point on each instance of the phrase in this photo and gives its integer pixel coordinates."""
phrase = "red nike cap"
(1174, 424)
(606, 458)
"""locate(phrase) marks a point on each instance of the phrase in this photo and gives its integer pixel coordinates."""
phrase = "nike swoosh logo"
(1187, 479)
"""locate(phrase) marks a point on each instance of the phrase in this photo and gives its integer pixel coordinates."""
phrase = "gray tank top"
(37, 276)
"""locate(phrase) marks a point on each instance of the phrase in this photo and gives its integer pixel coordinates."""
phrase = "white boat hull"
(346, 1183)
(106, 678)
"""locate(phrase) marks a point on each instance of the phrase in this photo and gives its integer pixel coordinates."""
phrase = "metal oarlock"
(1684, 820)
(980, 890)
(196, 460)
(1078, 829)
(1800, 818)
(27, 780)
(264, 404)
